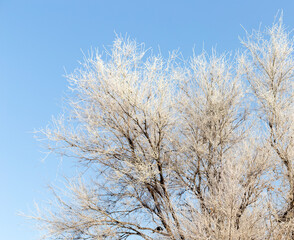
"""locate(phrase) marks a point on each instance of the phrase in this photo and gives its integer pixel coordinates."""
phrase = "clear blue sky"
(39, 38)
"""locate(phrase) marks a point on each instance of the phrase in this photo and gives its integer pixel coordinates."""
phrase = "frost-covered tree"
(196, 149)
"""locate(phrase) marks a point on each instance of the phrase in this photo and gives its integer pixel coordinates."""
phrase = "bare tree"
(198, 149)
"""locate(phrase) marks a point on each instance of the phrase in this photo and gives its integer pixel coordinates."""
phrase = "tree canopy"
(179, 149)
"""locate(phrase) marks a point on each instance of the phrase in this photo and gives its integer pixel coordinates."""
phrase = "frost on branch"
(197, 149)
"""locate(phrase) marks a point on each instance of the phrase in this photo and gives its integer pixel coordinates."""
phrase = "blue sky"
(41, 38)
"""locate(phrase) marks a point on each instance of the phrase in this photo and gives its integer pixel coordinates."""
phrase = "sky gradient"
(41, 39)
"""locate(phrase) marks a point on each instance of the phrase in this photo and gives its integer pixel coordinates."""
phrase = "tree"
(197, 149)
